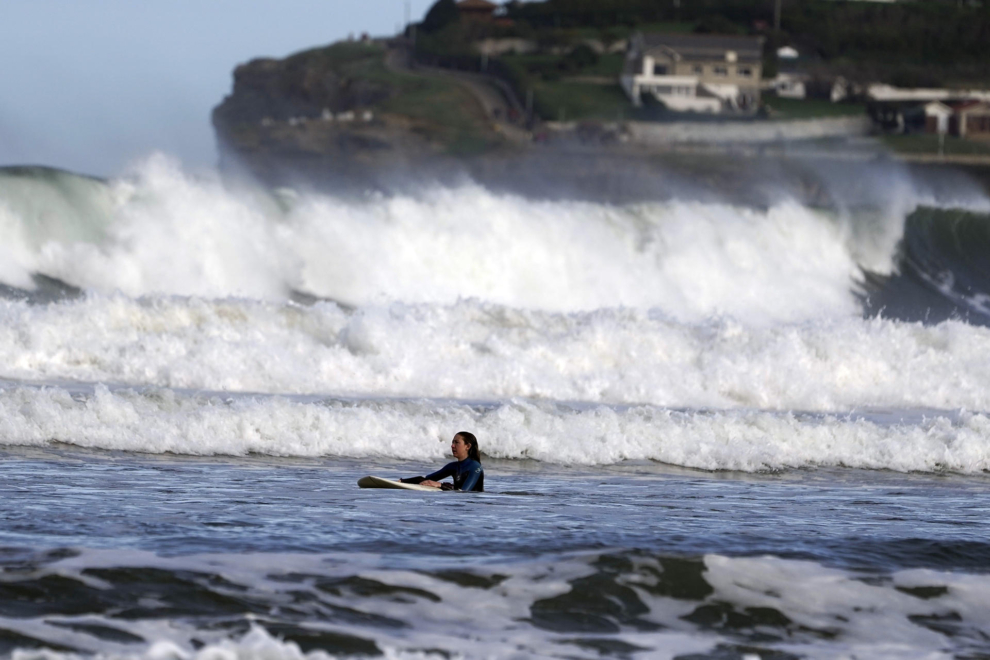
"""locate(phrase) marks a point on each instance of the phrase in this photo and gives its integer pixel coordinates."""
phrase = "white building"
(937, 117)
(691, 72)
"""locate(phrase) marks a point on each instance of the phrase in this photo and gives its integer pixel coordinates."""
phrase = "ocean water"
(709, 430)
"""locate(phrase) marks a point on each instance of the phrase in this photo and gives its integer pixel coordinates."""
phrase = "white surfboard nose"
(379, 482)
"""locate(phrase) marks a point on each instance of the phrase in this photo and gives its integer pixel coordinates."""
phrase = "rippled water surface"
(112, 552)
(178, 505)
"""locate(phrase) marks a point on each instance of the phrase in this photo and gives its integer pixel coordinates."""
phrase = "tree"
(440, 15)
(716, 24)
(580, 57)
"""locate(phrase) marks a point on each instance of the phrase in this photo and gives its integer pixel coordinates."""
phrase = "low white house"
(971, 119)
(803, 86)
(691, 72)
(937, 116)
(789, 85)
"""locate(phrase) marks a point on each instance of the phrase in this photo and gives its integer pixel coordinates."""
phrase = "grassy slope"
(566, 101)
(928, 144)
(559, 96)
(810, 108)
(444, 111)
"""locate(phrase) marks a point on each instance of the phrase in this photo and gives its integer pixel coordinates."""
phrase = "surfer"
(466, 470)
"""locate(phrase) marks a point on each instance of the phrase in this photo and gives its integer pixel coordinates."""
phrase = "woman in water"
(466, 470)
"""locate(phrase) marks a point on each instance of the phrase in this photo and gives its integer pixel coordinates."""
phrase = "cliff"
(345, 111)
(355, 115)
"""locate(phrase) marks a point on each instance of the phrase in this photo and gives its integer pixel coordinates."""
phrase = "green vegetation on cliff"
(911, 43)
(347, 96)
(929, 144)
(927, 43)
(571, 86)
(784, 108)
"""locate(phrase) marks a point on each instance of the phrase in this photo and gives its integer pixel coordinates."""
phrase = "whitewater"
(165, 233)
(710, 429)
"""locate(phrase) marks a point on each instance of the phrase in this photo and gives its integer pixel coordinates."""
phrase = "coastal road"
(496, 99)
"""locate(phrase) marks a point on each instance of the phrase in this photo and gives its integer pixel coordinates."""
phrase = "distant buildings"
(958, 112)
(937, 116)
(695, 73)
(971, 119)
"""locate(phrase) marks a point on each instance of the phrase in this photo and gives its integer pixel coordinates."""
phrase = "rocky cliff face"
(338, 113)
(302, 86)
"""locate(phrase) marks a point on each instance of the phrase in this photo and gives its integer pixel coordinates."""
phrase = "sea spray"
(473, 350)
(166, 232)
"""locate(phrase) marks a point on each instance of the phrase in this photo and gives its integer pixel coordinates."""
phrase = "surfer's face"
(459, 448)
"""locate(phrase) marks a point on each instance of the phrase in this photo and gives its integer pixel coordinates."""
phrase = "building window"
(698, 69)
(659, 69)
(720, 70)
(745, 72)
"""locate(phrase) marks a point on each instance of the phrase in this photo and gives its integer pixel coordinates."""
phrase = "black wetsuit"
(467, 475)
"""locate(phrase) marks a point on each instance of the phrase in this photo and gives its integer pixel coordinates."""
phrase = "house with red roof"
(477, 10)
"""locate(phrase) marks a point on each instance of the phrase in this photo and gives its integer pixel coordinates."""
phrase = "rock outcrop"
(340, 114)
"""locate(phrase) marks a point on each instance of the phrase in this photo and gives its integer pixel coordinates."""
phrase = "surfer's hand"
(428, 482)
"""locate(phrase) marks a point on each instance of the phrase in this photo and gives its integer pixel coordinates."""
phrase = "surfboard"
(379, 482)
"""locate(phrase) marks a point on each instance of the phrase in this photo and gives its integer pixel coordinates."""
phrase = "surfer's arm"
(433, 479)
(446, 471)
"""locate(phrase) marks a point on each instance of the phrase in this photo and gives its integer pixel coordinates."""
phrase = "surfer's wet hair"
(472, 443)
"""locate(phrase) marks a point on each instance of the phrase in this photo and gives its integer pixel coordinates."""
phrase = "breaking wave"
(163, 421)
(473, 350)
(586, 333)
(164, 232)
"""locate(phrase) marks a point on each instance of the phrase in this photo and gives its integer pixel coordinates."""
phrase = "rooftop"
(477, 5)
(706, 46)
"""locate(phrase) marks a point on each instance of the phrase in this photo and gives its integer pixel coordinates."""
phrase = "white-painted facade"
(689, 73)
(937, 116)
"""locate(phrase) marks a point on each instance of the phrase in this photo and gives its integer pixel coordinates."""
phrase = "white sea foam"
(482, 351)
(17, 258)
(165, 232)
(462, 622)
(866, 620)
(817, 612)
(159, 421)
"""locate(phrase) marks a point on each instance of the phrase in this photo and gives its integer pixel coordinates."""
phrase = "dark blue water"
(181, 505)
(600, 561)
